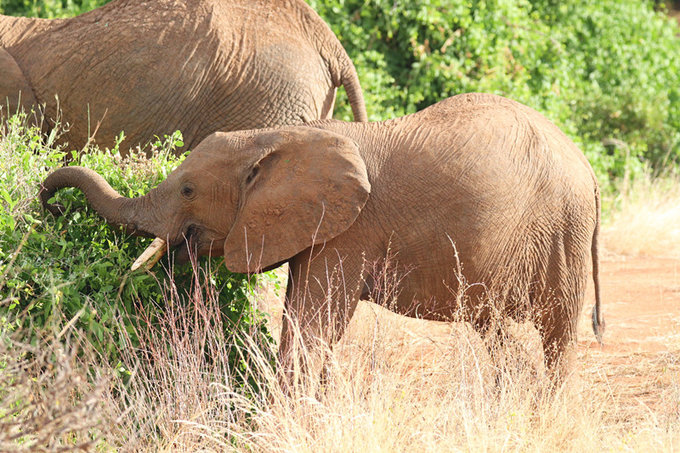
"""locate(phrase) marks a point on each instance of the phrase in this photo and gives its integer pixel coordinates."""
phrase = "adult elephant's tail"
(350, 80)
(597, 316)
(342, 70)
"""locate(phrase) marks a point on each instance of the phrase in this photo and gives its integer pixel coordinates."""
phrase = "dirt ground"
(639, 365)
(640, 360)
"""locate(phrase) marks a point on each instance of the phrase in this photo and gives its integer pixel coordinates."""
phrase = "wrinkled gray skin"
(493, 177)
(150, 67)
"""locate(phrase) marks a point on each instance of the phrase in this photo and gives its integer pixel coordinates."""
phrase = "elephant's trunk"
(115, 208)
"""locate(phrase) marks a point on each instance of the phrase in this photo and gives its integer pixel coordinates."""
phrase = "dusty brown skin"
(506, 186)
(150, 67)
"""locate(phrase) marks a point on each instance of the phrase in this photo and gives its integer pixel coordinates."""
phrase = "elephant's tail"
(342, 70)
(350, 80)
(597, 316)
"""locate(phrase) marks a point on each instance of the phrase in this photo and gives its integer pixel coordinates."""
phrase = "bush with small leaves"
(76, 267)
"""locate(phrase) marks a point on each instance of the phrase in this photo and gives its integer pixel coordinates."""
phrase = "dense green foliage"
(600, 70)
(77, 266)
(48, 8)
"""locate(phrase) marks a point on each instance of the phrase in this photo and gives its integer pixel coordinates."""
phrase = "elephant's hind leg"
(558, 338)
(556, 310)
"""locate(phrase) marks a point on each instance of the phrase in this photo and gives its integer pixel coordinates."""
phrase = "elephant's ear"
(13, 86)
(307, 187)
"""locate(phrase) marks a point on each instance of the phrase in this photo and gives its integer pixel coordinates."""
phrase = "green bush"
(48, 8)
(53, 270)
(600, 70)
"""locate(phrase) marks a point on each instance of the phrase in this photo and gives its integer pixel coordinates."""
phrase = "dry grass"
(395, 384)
(645, 219)
(393, 389)
(50, 399)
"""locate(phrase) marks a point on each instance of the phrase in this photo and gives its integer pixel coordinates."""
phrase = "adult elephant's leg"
(321, 297)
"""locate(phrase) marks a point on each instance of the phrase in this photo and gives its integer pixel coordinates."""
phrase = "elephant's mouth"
(187, 245)
(191, 243)
(197, 241)
(184, 246)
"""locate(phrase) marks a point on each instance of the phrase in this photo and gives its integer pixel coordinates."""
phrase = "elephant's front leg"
(321, 297)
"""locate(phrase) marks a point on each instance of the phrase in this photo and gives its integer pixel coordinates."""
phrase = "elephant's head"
(258, 197)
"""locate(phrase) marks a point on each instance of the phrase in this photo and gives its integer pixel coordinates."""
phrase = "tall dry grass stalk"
(645, 218)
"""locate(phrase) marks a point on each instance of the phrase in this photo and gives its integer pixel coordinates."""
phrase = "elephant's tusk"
(152, 254)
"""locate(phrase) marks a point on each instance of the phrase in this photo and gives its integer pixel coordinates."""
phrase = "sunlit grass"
(645, 218)
(394, 384)
(391, 389)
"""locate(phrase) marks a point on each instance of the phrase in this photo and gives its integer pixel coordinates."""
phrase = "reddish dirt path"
(640, 360)
(641, 298)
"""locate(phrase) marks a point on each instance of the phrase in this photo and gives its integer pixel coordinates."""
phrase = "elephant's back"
(507, 149)
(502, 113)
(508, 185)
(472, 138)
(113, 69)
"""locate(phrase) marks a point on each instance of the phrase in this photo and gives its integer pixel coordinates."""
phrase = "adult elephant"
(150, 67)
(484, 204)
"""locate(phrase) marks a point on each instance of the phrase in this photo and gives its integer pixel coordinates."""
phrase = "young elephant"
(476, 189)
(150, 67)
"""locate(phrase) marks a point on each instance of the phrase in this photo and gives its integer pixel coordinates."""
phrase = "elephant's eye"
(188, 191)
